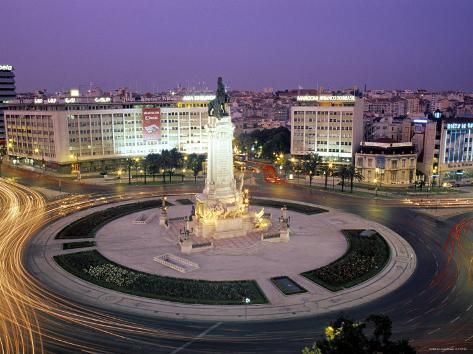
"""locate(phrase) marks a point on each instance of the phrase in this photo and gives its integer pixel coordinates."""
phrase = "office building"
(96, 131)
(330, 126)
(7, 92)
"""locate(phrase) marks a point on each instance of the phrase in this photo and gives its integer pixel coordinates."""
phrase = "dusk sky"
(153, 45)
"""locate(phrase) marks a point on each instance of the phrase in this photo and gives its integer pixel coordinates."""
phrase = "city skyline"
(155, 47)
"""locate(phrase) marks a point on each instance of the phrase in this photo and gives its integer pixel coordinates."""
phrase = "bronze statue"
(217, 105)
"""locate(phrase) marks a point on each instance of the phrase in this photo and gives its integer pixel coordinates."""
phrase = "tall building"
(330, 126)
(7, 92)
(101, 131)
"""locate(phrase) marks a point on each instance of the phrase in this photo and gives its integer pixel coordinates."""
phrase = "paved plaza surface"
(316, 240)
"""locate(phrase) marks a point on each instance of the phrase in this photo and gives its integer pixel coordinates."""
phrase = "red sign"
(151, 123)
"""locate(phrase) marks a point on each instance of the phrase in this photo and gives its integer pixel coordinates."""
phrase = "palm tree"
(343, 172)
(353, 173)
(195, 162)
(327, 170)
(310, 164)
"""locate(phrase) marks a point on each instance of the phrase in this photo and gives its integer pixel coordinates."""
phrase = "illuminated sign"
(52, 100)
(420, 121)
(306, 98)
(70, 100)
(151, 123)
(198, 98)
(454, 126)
(6, 67)
(74, 93)
(103, 99)
(38, 100)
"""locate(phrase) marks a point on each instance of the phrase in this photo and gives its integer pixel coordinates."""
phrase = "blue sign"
(380, 162)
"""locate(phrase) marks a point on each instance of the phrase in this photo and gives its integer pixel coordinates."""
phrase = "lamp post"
(76, 157)
(330, 166)
(36, 151)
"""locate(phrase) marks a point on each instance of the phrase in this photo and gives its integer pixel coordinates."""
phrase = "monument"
(222, 209)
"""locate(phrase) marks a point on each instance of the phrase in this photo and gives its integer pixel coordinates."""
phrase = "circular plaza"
(278, 279)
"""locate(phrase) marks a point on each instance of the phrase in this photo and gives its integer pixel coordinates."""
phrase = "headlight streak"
(26, 302)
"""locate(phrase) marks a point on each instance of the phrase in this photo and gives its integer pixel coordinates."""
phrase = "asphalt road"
(433, 309)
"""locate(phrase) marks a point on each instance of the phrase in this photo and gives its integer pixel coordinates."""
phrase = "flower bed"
(93, 267)
(366, 256)
(300, 208)
(82, 244)
(87, 226)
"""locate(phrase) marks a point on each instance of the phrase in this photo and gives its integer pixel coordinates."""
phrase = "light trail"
(23, 212)
(27, 306)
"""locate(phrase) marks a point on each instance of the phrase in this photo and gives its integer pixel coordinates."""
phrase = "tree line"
(312, 165)
(166, 164)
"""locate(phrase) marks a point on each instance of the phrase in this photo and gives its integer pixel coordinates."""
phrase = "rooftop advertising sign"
(198, 98)
(6, 67)
(455, 126)
(151, 124)
(345, 98)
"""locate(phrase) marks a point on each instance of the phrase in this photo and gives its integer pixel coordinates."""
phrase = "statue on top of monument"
(217, 105)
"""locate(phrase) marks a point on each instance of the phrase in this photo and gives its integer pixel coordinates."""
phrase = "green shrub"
(87, 226)
(93, 267)
(300, 208)
(366, 256)
(82, 244)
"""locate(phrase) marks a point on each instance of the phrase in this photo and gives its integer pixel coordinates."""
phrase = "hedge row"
(82, 244)
(93, 267)
(300, 208)
(366, 256)
(87, 226)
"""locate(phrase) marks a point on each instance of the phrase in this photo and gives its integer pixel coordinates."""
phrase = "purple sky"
(253, 44)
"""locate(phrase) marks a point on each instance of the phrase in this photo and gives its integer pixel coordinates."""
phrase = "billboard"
(151, 123)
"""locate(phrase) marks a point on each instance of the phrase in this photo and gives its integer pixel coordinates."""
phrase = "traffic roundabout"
(113, 265)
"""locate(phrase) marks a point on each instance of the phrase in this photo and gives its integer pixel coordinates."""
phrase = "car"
(447, 185)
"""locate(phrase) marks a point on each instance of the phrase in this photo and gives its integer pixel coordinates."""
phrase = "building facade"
(330, 126)
(386, 163)
(63, 131)
(7, 92)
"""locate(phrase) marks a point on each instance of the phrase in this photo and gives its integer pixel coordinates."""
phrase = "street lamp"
(76, 157)
(330, 166)
(36, 151)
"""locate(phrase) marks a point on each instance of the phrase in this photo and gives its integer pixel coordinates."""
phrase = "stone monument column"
(220, 182)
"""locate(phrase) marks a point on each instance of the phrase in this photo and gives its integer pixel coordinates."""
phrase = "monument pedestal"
(221, 209)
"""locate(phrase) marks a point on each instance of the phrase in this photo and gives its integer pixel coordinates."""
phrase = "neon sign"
(198, 98)
(308, 98)
(103, 99)
(454, 126)
(6, 67)
(70, 100)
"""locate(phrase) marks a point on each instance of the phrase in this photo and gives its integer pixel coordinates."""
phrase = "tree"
(353, 174)
(346, 336)
(154, 163)
(344, 173)
(310, 165)
(327, 170)
(195, 162)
